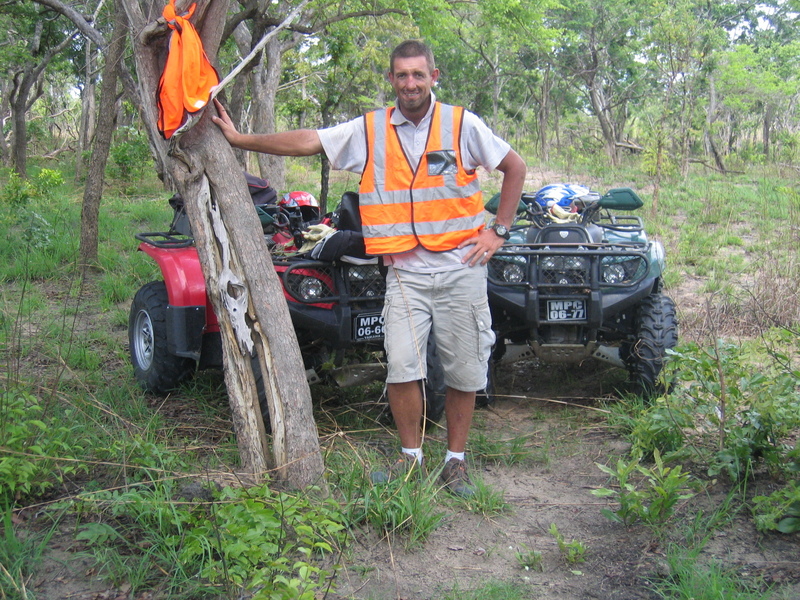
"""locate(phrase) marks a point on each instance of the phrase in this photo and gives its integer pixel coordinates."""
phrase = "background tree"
(37, 42)
(93, 191)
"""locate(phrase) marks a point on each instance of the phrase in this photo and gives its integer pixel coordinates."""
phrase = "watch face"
(501, 230)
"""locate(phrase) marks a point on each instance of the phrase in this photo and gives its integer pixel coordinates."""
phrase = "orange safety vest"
(437, 206)
(188, 75)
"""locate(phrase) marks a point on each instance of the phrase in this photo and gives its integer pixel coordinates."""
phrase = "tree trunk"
(601, 111)
(769, 115)
(87, 121)
(240, 280)
(711, 116)
(93, 192)
(266, 78)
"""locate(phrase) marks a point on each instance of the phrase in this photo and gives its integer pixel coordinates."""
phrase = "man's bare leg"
(458, 407)
(405, 400)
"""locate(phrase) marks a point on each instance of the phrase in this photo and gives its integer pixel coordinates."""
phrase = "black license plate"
(566, 310)
(368, 326)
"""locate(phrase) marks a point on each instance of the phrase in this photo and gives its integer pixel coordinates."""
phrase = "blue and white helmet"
(563, 194)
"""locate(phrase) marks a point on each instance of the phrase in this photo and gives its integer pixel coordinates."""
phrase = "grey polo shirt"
(345, 147)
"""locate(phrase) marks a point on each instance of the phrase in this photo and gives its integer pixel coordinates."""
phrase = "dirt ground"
(560, 412)
(469, 550)
(567, 433)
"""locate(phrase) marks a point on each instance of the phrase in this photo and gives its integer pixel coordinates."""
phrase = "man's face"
(412, 81)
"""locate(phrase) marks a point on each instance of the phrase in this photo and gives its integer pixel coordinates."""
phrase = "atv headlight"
(552, 263)
(576, 263)
(513, 273)
(622, 270)
(614, 273)
(311, 288)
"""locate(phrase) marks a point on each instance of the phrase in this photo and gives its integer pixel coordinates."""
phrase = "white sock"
(450, 454)
(415, 452)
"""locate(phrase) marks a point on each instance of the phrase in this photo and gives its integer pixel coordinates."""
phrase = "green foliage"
(490, 590)
(572, 552)
(508, 452)
(403, 509)
(780, 511)
(17, 191)
(264, 541)
(269, 543)
(743, 413)
(36, 230)
(660, 427)
(487, 500)
(38, 450)
(20, 556)
(652, 498)
(530, 560)
(130, 156)
(46, 182)
(690, 578)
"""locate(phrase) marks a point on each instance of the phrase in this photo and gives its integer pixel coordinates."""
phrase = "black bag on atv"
(264, 198)
(348, 241)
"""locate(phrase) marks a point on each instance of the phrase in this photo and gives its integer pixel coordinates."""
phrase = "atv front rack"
(166, 239)
(312, 282)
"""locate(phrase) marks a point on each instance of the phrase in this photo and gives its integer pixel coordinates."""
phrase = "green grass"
(490, 590)
(99, 430)
(692, 579)
(20, 557)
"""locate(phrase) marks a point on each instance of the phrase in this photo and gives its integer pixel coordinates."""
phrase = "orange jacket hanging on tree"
(188, 76)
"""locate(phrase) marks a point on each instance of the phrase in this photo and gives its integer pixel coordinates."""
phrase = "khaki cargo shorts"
(454, 308)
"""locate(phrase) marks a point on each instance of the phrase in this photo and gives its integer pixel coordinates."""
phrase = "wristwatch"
(501, 230)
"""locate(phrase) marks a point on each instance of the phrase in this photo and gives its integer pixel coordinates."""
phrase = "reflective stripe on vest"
(437, 206)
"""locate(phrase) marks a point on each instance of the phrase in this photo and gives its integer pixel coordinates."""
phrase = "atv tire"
(155, 369)
(656, 332)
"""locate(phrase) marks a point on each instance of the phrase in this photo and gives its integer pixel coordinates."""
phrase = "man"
(422, 212)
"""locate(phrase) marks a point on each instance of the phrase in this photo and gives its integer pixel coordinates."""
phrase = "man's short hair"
(411, 49)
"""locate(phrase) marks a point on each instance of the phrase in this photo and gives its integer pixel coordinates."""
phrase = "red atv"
(334, 292)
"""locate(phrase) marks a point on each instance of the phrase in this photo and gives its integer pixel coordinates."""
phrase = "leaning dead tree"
(241, 282)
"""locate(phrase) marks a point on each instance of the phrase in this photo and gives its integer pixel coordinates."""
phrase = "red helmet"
(291, 199)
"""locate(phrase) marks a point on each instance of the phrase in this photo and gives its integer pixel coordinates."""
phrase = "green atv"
(579, 280)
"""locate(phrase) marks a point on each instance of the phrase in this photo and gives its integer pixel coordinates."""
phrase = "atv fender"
(189, 314)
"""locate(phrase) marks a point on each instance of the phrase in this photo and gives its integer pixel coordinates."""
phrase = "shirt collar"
(398, 118)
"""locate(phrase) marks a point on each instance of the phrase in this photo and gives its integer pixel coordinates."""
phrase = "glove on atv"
(314, 235)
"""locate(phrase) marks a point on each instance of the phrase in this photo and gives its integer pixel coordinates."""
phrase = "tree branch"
(81, 21)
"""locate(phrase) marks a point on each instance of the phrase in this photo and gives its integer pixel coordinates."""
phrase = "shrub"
(32, 442)
(17, 191)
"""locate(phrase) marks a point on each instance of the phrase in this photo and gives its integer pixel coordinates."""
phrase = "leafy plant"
(690, 580)
(507, 452)
(572, 552)
(46, 181)
(130, 156)
(740, 413)
(264, 541)
(530, 560)
(780, 511)
(17, 191)
(269, 543)
(33, 442)
(403, 508)
(654, 502)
